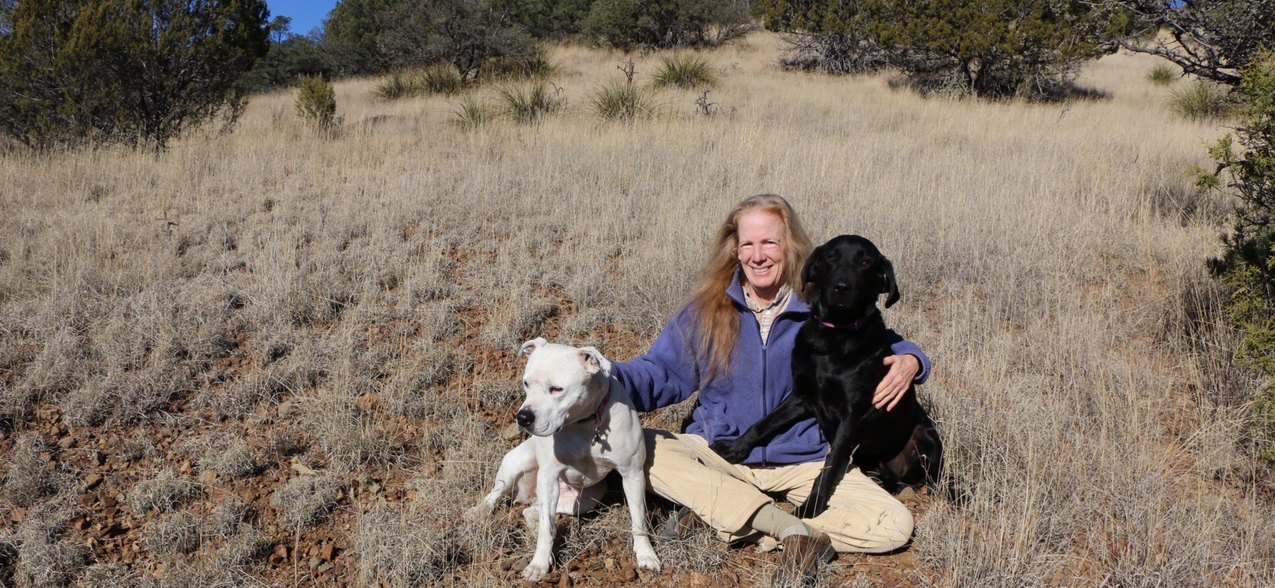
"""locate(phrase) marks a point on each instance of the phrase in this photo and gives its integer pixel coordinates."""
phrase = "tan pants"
(861, 516)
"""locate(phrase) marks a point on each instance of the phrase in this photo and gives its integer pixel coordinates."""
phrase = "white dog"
(583, 425)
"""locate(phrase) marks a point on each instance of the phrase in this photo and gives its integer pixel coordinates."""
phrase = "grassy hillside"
(278, 357)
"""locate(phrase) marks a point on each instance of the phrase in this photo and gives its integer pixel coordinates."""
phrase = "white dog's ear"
(531, 346)
(593, 361)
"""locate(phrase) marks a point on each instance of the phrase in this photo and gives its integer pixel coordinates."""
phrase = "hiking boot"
(681, 523)
(799, 564)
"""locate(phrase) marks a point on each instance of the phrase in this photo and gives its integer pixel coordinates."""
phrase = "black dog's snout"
(526, 418)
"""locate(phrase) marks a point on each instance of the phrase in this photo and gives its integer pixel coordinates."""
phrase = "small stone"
(66, 442)
(327, 552)
(91, 482)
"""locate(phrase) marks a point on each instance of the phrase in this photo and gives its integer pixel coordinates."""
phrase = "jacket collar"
(736, 294)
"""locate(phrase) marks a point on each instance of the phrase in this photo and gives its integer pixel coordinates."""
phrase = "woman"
(733, 342)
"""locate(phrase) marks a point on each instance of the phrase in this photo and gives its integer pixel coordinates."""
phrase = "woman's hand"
(903, 368)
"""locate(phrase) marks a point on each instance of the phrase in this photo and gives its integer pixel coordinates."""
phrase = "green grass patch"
(685, 70)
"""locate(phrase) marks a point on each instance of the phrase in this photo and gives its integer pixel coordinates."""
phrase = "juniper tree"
(138, 72)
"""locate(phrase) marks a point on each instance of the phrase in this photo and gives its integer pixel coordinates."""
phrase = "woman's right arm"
(664, 375)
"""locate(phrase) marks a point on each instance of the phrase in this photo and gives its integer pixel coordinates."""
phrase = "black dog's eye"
(865, 263)
(555, 389)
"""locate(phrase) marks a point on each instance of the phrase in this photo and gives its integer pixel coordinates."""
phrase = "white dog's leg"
(517, 462)
(635, 494)
(547, 490)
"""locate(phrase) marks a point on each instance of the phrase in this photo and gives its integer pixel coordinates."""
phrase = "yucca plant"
(686, 71)
(472, 113)
(530, 103)
(622, 101)
(1203, 101)
(1162, 75)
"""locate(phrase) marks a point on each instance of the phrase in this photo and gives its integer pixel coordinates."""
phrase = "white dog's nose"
(525, 418)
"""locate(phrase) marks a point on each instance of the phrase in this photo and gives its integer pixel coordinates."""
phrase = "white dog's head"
(563, 385)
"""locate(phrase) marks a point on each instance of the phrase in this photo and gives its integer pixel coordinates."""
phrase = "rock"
(66, 442)
(327, 552)
(90, 482)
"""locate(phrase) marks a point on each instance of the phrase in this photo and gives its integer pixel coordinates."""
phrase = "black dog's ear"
(889, 285)
(810, 273)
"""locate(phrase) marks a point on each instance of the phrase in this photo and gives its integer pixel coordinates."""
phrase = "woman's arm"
(664, 375)
(909, 365)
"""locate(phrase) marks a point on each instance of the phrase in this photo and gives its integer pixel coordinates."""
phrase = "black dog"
(836, 365)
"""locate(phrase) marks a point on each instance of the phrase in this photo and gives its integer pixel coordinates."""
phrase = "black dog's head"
(844, 277)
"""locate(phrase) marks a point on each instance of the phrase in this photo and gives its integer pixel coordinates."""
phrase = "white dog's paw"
(648, 561)
(535, 572)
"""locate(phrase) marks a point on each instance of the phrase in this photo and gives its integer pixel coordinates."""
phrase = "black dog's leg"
(789, 412)
(834, 470)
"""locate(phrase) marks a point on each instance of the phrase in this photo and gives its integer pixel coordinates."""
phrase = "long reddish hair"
(716, 319)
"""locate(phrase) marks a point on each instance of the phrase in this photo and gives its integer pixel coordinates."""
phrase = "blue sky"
(306, 14)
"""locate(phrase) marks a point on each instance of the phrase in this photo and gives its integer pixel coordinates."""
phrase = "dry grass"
(362, 297)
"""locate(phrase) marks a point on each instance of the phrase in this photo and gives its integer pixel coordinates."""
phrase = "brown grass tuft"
(305, 501)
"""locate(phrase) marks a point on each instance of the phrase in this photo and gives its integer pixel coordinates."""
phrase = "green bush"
(437, 79)
(472, 113)
(510, 68)
(137, 73)
(1203, 101)
(316, 103)
(687, 71)
(1162, 75)
(530, 103)
(1247, 268)
(622, 101)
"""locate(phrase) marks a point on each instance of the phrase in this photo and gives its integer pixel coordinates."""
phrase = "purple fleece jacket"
(759, 379)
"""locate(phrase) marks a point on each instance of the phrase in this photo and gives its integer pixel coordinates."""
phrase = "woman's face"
(761, 251)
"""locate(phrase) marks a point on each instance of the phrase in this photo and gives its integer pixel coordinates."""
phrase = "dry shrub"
(29, 476)
(229, 458)
(46, 555)
(108, 575)
(349, 435)
(226, 518)
(164, 492)
(172, 533)
(244, 548)
(397, 549)
(305, 501)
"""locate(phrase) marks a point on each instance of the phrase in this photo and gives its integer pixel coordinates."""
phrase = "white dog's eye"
(555, 389)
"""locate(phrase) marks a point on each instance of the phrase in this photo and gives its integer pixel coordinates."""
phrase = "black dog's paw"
(809, 509)
(730, 451)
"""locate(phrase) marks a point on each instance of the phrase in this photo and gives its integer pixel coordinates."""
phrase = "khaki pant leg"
(683, 469)
(861, 517)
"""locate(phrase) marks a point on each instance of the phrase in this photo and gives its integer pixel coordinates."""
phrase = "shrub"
(162, 493)
(1247, 267)
(472, 113)
(437, 79)
(172, 533)
(534, 66)
(993, 48)
(138, 73)
(686, 71)
(441, 79)
(1203, 101)
(530, 103)
(316, 103)
(1162, 75)
(622, 101)
(305, 501)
